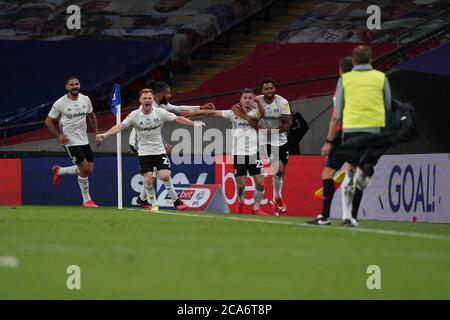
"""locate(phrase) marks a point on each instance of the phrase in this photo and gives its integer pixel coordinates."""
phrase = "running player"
(148, 121)
(71, 111)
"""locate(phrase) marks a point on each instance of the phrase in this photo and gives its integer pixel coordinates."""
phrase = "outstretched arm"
(211, 113)
(100, 138)
(189, 122)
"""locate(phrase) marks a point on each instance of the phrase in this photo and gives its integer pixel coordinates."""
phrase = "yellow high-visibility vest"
(363, 99)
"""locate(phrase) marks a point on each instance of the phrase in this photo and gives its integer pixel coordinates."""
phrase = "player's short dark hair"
(346, 64)
(267, 80)
(71, 78)
(145, 90)
(159, 86)
(247, 90)
(362, 54)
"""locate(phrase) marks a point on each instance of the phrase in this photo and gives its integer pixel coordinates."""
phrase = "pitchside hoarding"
(406, 188)
(37, 187)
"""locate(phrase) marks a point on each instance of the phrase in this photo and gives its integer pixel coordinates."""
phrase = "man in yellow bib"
(363, 100)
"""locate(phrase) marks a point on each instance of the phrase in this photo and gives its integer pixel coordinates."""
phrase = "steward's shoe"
(90, 204)
(352, 223)
(321, 221)
(56, 176)
(143, 203)
(180, 205)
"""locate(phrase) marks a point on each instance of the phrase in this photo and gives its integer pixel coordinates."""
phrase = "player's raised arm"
(100, 138)
(210, 113)
(189, 122)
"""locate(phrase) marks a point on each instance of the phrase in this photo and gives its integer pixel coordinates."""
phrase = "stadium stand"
(307, 74)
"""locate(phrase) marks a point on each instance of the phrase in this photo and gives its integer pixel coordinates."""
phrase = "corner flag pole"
(116, 109)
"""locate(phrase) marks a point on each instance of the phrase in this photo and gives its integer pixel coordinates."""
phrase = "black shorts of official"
(283, 152)
(79, 153)
(133, 149)
(345, 153)
(334, 145)
(250, 164)
(148, 163)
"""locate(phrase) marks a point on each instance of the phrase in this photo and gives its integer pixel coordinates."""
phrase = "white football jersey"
(168, 107)
(271, 119)
(245, 138)
(148, 130)
(71, 115)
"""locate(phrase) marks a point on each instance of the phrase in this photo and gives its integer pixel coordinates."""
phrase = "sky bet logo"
(413, 190)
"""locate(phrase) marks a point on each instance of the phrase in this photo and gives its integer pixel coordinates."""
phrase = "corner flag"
(114, 103)
(338, 178)
(115, 98)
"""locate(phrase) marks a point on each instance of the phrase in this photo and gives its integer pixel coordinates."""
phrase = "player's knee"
(164, 177)
(259, 186)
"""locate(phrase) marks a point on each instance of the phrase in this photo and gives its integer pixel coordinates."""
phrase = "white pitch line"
(346, 229)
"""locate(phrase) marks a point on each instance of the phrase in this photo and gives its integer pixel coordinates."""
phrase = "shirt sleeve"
(90, 109)
(285, 108)
(54, 113)
(387, 95)
(129, 120)
(228, 114)
(180, 109)
(167, 116)
(339, 104)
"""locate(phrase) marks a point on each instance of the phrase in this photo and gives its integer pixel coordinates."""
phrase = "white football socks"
(68, 170)
(277, 185)
(150, 193)
(170, 189)
(143, 193)
(347, 194)
(258, 197)
(84, 187)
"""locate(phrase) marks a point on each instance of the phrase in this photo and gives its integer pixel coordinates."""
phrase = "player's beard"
(269, 96)
(74, 92)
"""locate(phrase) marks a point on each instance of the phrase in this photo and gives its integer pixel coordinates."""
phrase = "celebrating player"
(71, 111)
(245, 147)
(161, 96)
(148, 121)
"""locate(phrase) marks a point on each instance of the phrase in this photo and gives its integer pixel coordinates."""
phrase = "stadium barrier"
(11, 178)
(413, 187)
(404, 187)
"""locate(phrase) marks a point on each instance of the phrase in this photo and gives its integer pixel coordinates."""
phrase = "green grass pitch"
(134, 254)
